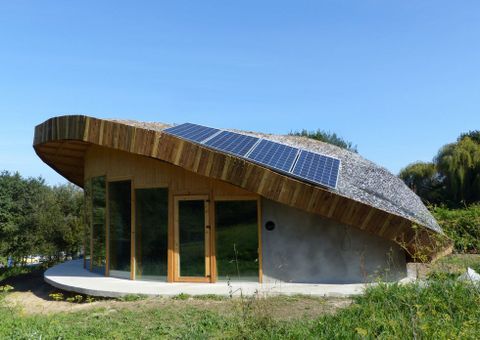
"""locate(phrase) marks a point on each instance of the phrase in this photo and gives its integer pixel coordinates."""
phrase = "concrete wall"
(308, 248)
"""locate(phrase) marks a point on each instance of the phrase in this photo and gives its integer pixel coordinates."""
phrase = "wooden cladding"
(62, 141)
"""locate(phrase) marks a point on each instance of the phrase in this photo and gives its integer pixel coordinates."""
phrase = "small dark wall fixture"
(270, 225)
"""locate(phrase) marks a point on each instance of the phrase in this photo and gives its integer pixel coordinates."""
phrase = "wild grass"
(437, 308)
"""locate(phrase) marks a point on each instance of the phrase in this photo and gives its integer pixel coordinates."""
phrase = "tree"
(424, 180)
(36, 219)
(473, 135)
(326, 137)
(459, 164)
(19, 199)
(453, 178)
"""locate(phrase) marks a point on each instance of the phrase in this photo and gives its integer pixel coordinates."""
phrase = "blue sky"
(398, 78)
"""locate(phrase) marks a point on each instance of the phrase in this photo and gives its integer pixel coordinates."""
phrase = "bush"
(7, 272)
(462, 226)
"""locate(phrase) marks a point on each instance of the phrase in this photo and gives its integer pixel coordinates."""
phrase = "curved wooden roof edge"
(61, 142)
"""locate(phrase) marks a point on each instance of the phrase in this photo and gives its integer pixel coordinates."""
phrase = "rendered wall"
(308, 248)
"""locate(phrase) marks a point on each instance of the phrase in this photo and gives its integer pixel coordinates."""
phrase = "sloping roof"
(364, 181)
(367, 196)
(360, 179)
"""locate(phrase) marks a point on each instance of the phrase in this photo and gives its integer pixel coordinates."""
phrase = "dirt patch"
(31, 296)
(298, 306)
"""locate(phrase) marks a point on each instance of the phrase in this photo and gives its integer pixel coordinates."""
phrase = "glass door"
(192, 239)
(151, 233)
(119, 202)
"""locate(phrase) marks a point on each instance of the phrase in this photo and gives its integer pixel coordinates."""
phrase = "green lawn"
(440, 308)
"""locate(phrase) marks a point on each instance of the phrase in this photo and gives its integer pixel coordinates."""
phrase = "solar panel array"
(309, 166)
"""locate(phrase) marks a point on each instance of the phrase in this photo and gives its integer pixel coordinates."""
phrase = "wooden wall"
(152, 173)
(62, 142)
(146, 172)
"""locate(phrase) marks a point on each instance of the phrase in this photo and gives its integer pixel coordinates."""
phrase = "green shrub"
(56, 296)
(7, 272)
(462, 226)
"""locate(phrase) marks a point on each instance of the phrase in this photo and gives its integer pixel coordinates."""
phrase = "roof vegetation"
(326, 137)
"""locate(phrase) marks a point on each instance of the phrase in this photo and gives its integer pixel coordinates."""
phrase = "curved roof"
(367, 196)
(364, 181)
(359, 178)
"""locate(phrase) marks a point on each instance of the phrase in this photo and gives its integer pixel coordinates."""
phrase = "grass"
(440, 307)
(133, 297)
(459, 262)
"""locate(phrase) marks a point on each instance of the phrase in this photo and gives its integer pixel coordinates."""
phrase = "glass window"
(119, 196)
(236, 240)
(151, 233)
(98, 224)
(191, 224)
(87, 224)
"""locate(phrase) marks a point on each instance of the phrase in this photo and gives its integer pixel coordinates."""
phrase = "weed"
(4, 290)
(78, 298)
(56, 296)
(132, 297)
(182, 296)
(212, 297)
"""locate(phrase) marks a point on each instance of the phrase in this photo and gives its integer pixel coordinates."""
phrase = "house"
(191, 203)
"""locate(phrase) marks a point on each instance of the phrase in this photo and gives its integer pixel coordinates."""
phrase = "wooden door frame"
(252, 198)
(208, 239)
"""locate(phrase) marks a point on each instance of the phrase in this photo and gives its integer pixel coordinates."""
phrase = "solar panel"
(317, 168)
(232, 142)
(274, 155)
(309, 166)
(192, 132)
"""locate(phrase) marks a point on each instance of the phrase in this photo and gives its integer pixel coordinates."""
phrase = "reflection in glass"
(151, 241)
(236, 240)
(119, 195)
(191, 220)
(87, 224)
(98, 224)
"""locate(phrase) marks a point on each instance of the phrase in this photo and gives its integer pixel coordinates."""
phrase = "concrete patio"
(71, 276)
